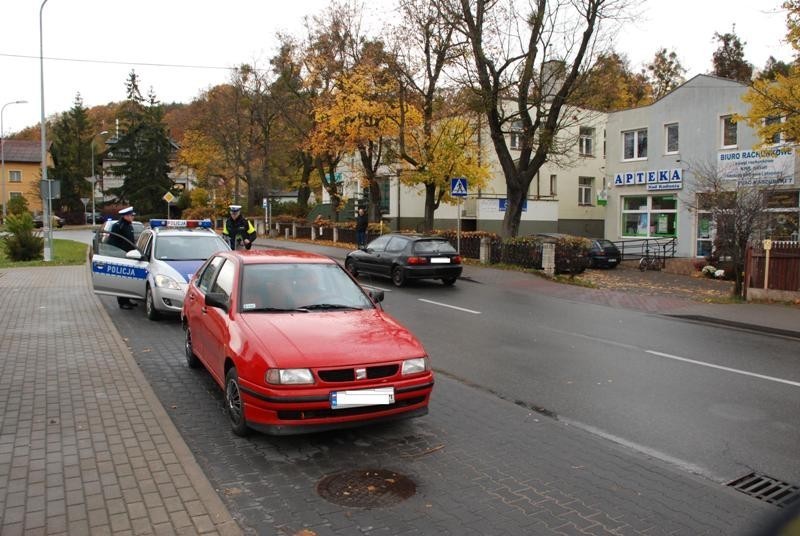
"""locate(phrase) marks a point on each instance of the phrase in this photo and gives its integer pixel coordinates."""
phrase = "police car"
(159, 268)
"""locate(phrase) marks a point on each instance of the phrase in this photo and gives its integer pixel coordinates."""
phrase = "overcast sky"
(201, 39)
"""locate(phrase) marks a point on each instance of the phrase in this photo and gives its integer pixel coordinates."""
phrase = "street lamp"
(3, 154)
(94, 178)
(46, 223)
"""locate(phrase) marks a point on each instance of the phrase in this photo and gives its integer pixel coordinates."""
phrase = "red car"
(298, 346)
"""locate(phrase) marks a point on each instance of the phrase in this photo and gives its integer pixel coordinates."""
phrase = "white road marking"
(450, 306)
(728, 369)
(675, 357)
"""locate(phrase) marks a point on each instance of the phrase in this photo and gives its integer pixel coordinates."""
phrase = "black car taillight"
(417, 260)
(456, 259)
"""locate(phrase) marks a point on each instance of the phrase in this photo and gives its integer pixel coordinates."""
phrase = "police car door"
(116, 274)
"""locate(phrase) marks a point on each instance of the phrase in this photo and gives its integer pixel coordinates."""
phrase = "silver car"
(157, 271)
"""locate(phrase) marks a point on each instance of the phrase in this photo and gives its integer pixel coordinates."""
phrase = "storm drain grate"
(768, 489)
(366, 488)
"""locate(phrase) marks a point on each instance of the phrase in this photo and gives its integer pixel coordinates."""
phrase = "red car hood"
(331, 339)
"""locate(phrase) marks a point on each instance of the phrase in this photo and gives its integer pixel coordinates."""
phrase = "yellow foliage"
(770, 100)
(201, 153)
(362, 108)
(451, 152)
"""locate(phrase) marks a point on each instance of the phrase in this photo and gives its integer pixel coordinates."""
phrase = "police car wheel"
(191, 358)
(150, 306)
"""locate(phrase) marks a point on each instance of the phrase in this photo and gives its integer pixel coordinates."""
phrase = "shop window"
(650, 216)
(634, 144)
(14, 176)
(585, 187)
(671, 136)
(729, 132)
(586, 141)
(705, 234)
(783, 215)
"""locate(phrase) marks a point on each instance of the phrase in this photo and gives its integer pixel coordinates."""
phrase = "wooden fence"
(783, 280)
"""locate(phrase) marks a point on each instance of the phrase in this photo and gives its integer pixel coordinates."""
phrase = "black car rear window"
(433, 246)
(606, 243)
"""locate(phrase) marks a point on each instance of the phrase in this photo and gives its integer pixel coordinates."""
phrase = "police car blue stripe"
(119, 270)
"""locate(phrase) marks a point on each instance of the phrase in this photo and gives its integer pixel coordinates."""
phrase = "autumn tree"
(729, 60)
(525, 68)
(71, 149)
(775, 103)
(665, 72)
(144, 150)
(334, 47)
(294, 101)
(610, 84)
(437, 130)
(735, 202)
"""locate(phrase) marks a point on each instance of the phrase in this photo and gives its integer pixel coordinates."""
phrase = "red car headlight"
(289, 376)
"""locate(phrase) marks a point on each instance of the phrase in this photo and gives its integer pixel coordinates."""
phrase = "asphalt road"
(715, 401)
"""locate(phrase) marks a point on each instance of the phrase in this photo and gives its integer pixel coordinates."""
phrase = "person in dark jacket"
(362, 223)
(122, 237)
(238, 226)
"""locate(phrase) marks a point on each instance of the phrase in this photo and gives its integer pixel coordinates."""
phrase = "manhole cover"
(366, 488)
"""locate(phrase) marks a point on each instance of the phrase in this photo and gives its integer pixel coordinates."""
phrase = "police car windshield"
(187, 247)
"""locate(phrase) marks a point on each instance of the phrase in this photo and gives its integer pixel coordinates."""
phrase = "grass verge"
(65, 252)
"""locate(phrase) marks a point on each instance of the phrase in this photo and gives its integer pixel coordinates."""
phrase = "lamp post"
(3, 154)
(46, 224)
(94, 178)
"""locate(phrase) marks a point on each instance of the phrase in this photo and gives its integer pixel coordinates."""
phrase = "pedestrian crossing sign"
(458, 187)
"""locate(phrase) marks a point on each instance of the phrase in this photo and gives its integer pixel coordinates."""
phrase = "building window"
(729, 133)
(553, 181)
(14, 176)
(516, 135)
(14, 195)
(775, 139)
(585, 187)
(650, 216)
(671, 135)
(586, 141)
(783, 215)
(634, 144)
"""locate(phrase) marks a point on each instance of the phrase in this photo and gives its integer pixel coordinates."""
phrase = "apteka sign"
(660, 179)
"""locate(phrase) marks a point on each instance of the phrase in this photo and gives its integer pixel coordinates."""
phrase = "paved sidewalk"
(777, 319)
(85, 446)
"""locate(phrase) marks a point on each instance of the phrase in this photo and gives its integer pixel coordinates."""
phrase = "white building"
(654, 153)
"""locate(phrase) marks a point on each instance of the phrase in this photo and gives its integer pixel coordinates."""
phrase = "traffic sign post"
(169, 198)
(458, 189)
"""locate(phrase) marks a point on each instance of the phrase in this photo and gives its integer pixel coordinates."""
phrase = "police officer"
(238, 226)
(122, 238)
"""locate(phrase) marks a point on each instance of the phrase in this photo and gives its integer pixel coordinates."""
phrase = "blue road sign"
(458, 187)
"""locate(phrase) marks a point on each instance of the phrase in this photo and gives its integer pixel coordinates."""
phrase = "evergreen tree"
(773, 68)
(729, 59)
(71, 141)
(144, 150)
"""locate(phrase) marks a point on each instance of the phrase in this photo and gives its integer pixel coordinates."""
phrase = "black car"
(403, 257)
(604, 254)
(57, 221)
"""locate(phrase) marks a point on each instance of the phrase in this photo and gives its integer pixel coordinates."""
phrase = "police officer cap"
(126, 211)
(235, 208)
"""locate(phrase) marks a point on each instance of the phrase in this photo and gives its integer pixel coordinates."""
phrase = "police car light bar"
(205, 224)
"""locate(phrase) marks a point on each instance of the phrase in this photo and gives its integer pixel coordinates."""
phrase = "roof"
(695, 80)
(22, 151)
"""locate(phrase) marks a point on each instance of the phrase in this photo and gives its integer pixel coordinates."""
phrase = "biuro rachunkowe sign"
(660, 179)
(767, 166)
